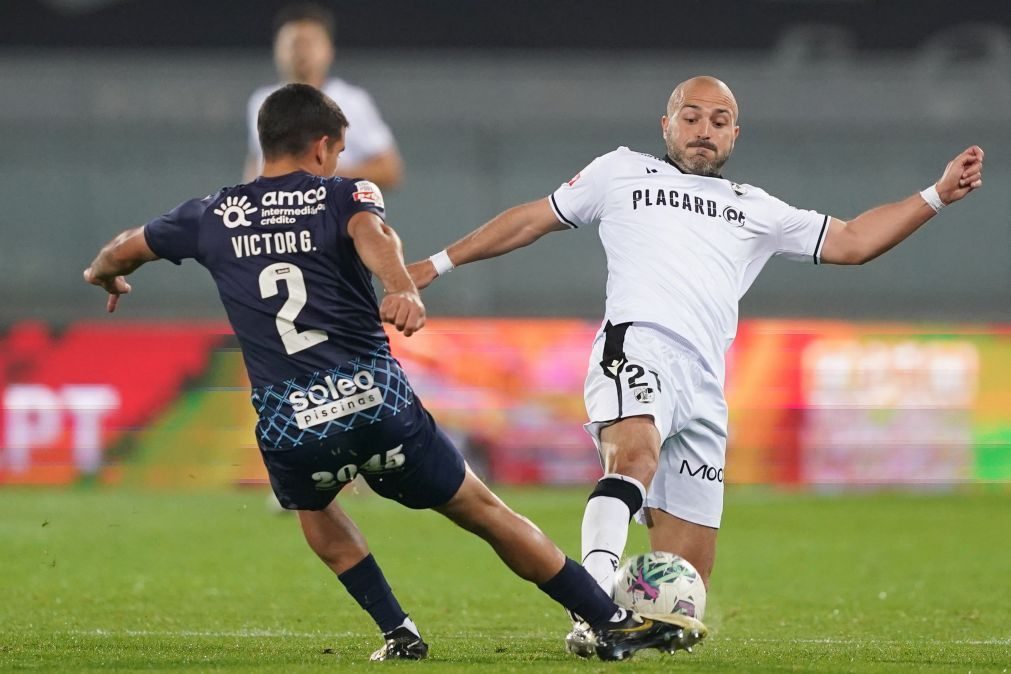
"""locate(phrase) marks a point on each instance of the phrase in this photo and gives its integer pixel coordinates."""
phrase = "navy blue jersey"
(299, 299)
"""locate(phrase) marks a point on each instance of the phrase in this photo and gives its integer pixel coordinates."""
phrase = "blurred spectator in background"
(303, 52)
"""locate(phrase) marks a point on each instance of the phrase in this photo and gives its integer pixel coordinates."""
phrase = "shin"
(630, 449)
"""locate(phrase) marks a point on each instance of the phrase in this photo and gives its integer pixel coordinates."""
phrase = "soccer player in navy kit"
(292, 254)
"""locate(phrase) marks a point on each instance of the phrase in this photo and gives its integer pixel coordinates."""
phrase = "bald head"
(702, 89)
(700, 126)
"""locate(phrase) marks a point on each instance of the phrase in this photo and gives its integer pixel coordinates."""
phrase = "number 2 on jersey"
(293, 340)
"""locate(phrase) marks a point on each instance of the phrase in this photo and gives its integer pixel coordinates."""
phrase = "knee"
(496, 522)
(473, 511)
(491, 518)
(635, 460)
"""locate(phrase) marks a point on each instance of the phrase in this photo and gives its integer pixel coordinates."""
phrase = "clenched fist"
(962, 175)
(404, 310)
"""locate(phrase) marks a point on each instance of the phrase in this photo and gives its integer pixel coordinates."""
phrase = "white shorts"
(640, 369)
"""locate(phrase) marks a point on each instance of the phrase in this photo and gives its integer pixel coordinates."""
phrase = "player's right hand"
(422, 273)
(962, 175)
(115, 286)
(404, 310)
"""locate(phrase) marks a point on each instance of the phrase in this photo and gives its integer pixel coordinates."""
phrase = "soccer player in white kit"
(683, 245)
(304, 52)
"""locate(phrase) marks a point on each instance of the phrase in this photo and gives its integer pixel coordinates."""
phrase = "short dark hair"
(294, 116)
(307, 11)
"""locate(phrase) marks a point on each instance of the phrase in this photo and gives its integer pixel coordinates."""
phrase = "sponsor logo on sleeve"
(367, 192)
(575, 178)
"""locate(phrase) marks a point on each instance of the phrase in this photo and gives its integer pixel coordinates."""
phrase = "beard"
(699, 164)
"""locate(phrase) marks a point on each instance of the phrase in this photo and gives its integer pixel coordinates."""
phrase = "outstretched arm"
(517, 227)
(118, 258)
(379, 248)
(878, 230)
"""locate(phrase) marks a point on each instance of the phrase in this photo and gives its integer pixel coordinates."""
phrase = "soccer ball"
(659, 583)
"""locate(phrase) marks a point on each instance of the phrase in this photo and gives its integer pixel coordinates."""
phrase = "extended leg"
(532, 555)
(527, 551)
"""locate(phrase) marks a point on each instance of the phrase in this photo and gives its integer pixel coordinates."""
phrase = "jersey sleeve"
(801, 232)
(580, 201)
(174, 236)
(360, 195)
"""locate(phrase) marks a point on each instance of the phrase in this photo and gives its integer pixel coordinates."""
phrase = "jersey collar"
(670, 161)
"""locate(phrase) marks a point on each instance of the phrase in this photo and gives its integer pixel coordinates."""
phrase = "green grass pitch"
(94, 579)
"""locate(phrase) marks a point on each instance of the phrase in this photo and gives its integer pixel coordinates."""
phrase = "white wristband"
(932, 198)
(443, 265)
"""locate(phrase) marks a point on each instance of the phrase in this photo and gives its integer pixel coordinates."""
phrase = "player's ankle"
(619, 616)
(409, 625)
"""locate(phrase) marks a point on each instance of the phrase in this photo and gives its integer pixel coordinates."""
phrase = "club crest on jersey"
(234, 210)
(367, 192)
(645, 395)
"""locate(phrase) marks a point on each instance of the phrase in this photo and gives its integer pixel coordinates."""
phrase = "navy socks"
(365, 582)
(575, 589)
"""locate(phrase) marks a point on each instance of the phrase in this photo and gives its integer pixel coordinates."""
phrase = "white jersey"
(367, 133)
(683, 249)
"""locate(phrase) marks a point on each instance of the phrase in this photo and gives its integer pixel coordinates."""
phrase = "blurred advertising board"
(821, 403)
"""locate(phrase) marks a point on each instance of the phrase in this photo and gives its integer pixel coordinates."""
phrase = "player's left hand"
(115, 286)
(404, 310)
(963, 174)
(422, 273)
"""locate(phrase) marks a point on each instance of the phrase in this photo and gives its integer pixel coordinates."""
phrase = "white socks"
(614, 501)
(605, 532)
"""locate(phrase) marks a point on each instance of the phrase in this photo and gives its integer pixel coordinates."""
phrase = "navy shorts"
(406, 458)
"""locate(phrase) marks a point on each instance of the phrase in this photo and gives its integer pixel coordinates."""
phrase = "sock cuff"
(561, 579)
(408, 624)
(365, 581)
(626, 489)
(362, 571)
(626, 478)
